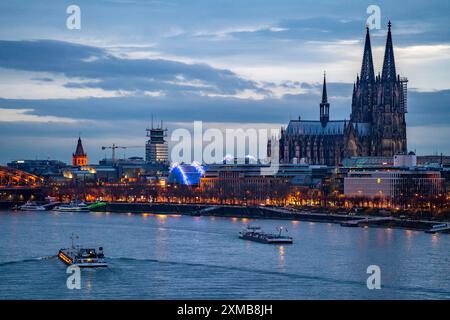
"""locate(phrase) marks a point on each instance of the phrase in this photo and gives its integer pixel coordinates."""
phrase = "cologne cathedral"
(376, 126)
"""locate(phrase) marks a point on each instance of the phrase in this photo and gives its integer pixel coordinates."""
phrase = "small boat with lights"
(253, 233)
(73, 206)
(82, 257)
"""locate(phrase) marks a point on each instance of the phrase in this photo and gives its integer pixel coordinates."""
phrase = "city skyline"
(228, 158)
(106, 79)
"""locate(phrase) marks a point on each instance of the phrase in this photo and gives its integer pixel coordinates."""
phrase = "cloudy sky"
(250, 63)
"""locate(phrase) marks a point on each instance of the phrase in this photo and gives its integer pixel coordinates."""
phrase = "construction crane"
(114, 147)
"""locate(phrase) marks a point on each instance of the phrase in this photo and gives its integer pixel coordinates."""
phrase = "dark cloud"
(287, 36)
(43, 79)
(108, 72)
(425, 108)
(190, 106)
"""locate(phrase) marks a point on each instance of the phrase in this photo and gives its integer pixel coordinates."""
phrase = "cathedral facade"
(376, 127)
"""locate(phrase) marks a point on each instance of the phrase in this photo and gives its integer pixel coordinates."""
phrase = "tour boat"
(82, 257)
(73, 206)
(32, 206)
(256, 234)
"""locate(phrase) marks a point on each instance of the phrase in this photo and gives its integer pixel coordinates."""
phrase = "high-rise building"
(79, 158)
(156, 148)
(377, 125)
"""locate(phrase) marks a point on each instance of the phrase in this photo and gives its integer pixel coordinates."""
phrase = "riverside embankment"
(265, 212)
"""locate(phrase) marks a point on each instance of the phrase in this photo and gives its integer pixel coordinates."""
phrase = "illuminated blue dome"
(186, 174)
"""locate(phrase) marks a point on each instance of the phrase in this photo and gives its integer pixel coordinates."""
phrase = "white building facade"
(393, 183)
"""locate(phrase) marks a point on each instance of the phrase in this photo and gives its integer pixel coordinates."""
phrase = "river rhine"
(183, 257)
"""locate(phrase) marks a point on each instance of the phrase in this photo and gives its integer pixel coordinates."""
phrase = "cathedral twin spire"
(367, 73)
(365, 89)
(365, 100)
(389, 73)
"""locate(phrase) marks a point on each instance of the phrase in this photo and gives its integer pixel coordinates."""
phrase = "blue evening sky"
(249, 63)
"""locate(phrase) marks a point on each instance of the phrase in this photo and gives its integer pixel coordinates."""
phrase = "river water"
(182, 257)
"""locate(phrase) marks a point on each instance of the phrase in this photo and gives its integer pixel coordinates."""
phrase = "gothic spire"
(324, 105)
(367, 73)
(324, 89)
(389, 72)
(79, 151)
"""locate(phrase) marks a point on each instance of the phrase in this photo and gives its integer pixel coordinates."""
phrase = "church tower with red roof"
(79, 158)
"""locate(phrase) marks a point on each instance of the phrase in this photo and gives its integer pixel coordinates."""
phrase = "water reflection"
(409, 234)
(89, 280)
(161, 218)
(389, 233)
(434, 239)
(281, 260)
(161, 244)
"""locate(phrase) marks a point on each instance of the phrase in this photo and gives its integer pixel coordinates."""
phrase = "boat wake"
(5, 263)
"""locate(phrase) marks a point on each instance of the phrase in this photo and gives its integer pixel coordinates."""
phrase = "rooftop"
(333, 127)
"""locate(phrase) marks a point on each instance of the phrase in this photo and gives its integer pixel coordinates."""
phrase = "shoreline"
(275, 213)
(265, 212)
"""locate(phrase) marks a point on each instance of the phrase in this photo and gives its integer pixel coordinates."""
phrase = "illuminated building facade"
(258, 182)
(394, 183)
(397, 179)
(186, 174)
